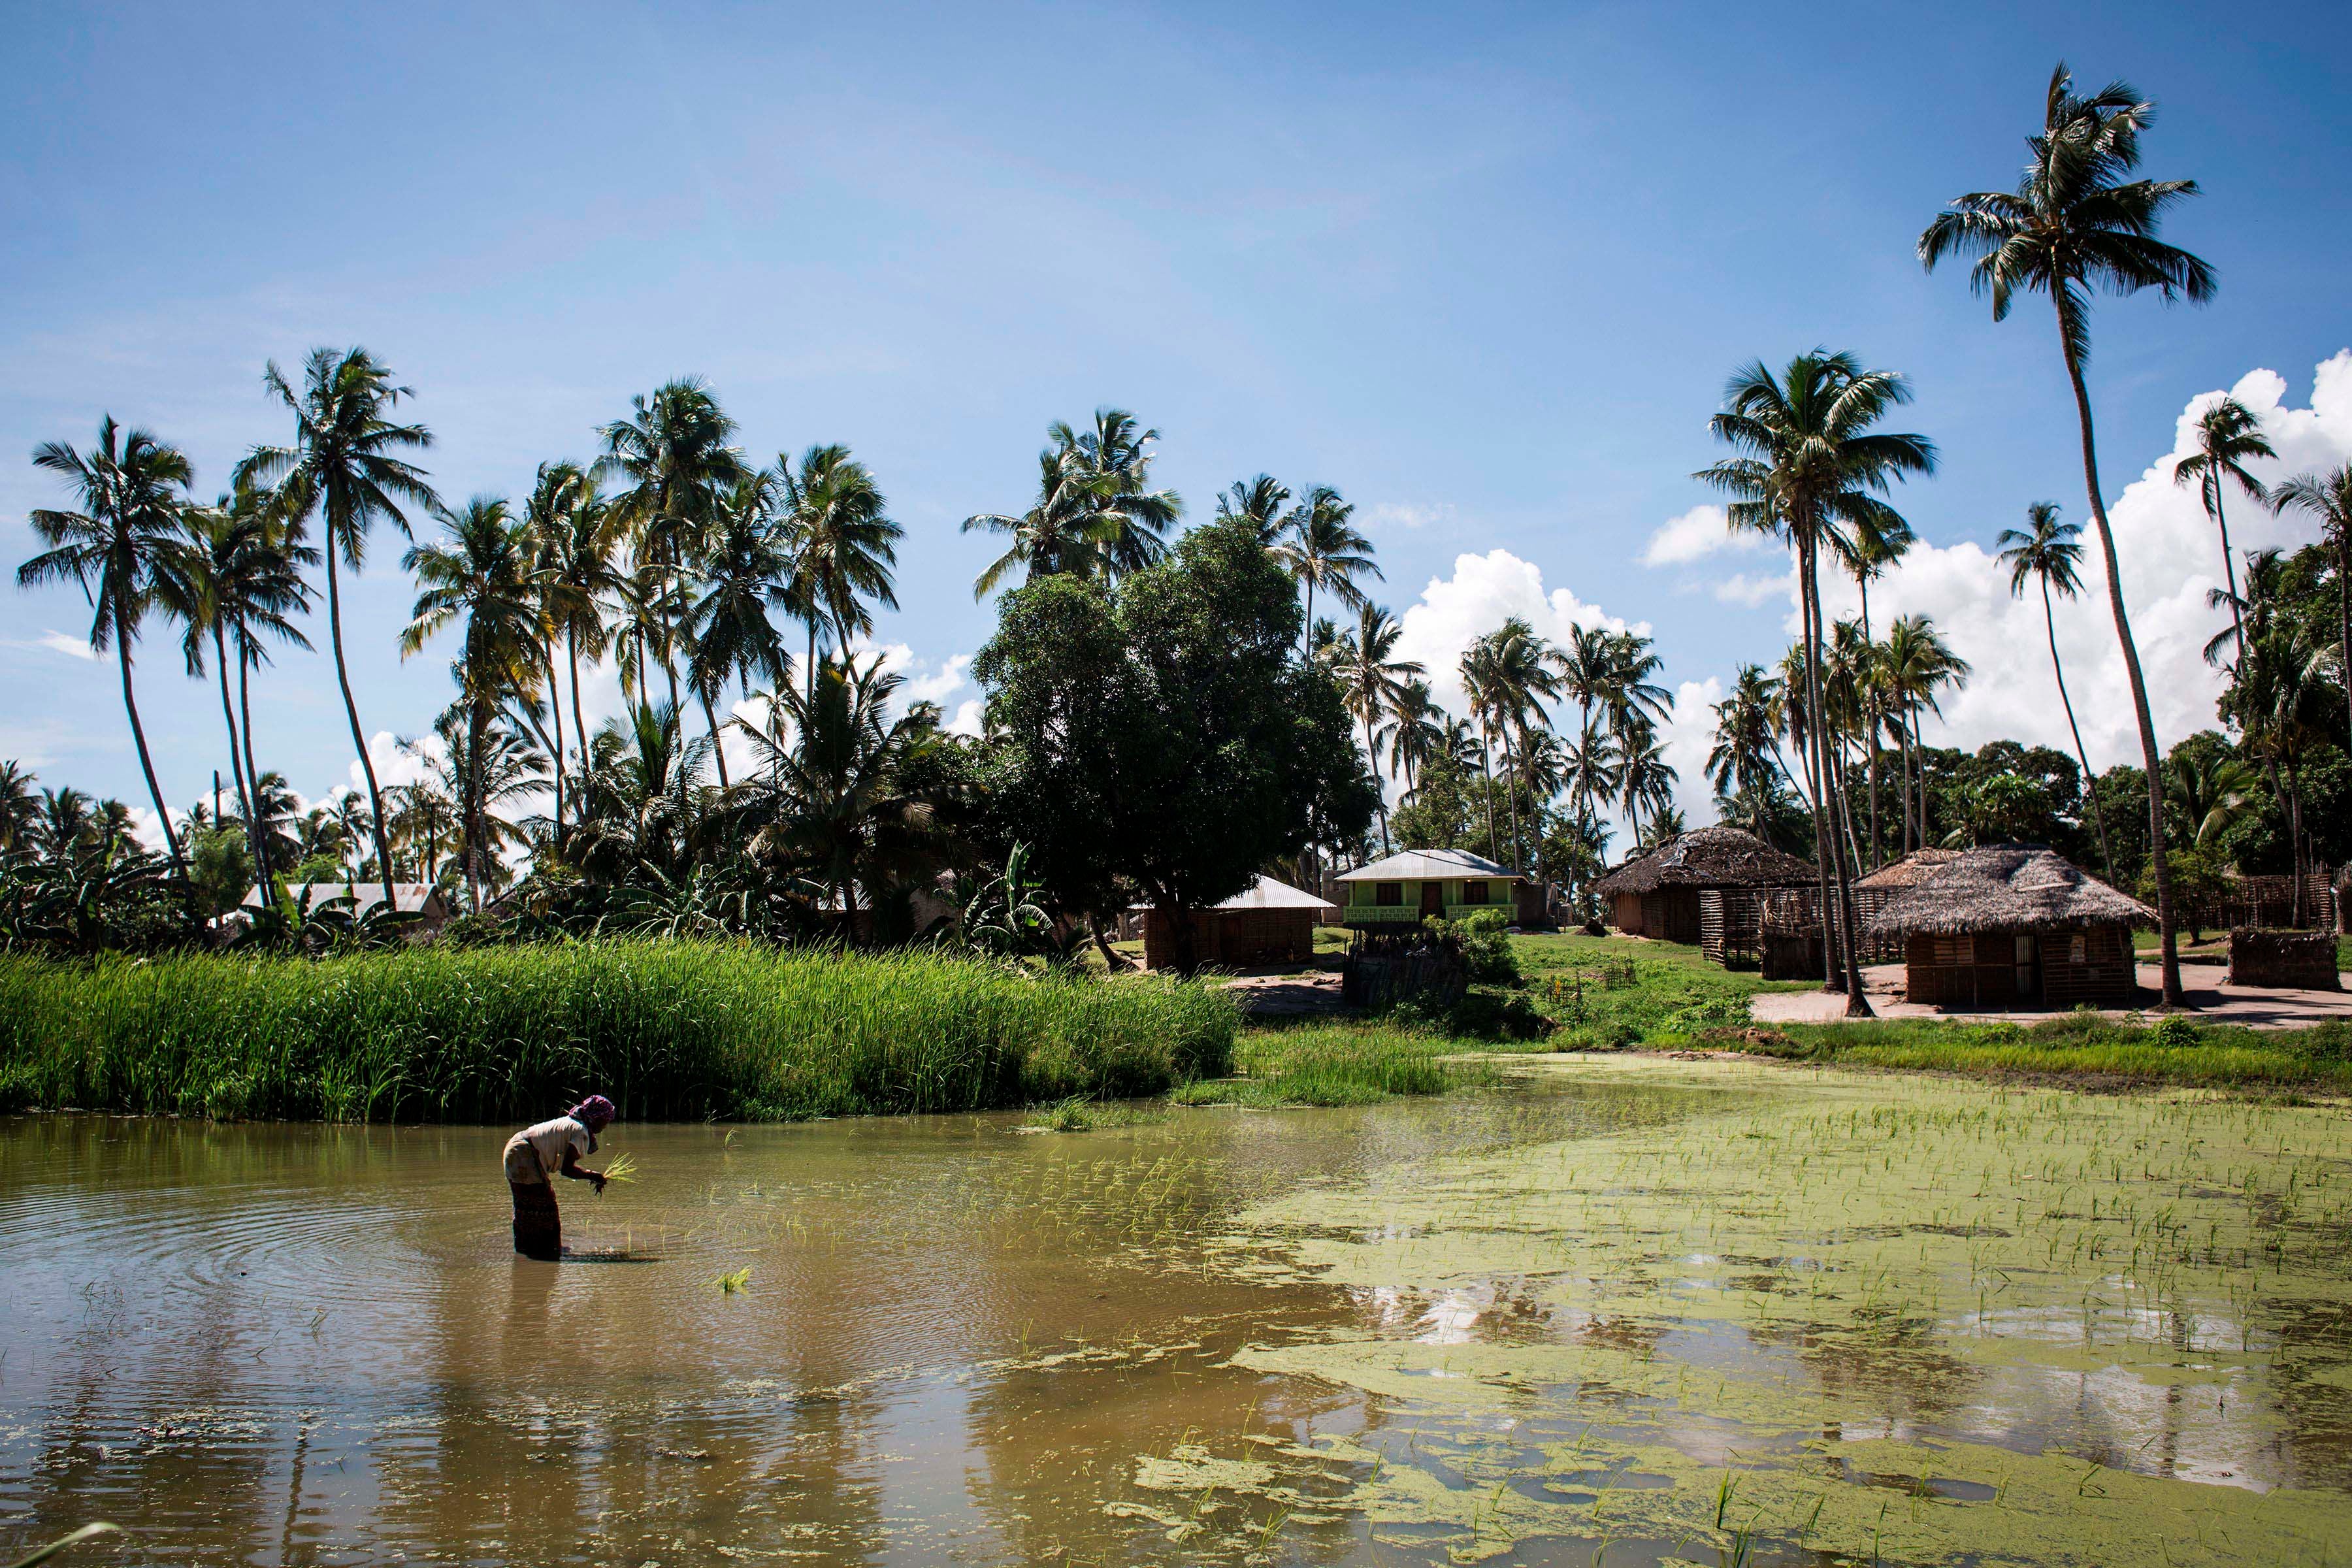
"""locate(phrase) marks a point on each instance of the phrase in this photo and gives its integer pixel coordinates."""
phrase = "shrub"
(2174, 1033)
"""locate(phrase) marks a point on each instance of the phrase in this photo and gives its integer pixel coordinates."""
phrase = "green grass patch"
(682, 1030)
(2173, 1050)
(1608, 992)
(1077, 1113)
(1335, 1064)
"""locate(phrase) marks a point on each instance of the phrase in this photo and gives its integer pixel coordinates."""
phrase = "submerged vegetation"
(676, 1030)
(1335, 1064)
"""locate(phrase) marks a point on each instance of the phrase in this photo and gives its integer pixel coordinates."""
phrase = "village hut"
(1875, 891)
(2013, 927)
(1266, 924)
(1666, 893)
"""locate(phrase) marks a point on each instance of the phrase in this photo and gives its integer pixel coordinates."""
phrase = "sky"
(1483, 268)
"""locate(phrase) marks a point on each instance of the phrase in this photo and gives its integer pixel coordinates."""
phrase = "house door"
(2029, 969)
(1433, 899)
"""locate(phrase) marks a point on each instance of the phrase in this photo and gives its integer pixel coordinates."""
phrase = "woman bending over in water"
(535, 1156)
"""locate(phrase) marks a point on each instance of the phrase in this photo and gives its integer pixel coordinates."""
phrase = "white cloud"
(967, 718)
(1453, 612)
(65, 643)
(1689, 736)
(2171, 557)
(1408, 514)
(1698, 533)
(1755, 588)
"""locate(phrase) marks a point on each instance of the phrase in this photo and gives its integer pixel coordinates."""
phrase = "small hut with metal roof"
(1665, 894)
(1266, 924)
(2013, 926)
(1399, 891)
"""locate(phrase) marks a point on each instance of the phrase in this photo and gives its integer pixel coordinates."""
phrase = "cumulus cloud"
(1698, 533)
(1689, 736)
(1453, 612)
(1752, 589)
(2170, 558)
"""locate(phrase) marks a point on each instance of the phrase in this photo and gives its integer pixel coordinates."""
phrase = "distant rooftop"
(1425, 866)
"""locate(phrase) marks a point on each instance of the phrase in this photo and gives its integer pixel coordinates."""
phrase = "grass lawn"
(2216, 946)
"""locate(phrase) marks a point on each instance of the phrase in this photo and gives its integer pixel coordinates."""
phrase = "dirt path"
(2213, 1000)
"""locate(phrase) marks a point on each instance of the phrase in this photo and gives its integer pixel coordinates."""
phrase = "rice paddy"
(669, 1030)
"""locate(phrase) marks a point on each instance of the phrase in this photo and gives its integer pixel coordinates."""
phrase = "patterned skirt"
(538, 1228)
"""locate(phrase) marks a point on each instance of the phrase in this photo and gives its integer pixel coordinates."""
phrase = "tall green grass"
(669, 1030)
(1335, 1064)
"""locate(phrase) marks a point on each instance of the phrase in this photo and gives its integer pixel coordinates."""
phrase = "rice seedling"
(621, 1167)
(1335, 1064)
(733, 1282)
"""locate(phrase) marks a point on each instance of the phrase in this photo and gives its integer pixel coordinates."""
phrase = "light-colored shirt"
(536, 1154)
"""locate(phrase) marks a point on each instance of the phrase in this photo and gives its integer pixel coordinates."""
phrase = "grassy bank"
(2078, 1046)
(670, 1030)
(1602, 992)
(1334, 1064)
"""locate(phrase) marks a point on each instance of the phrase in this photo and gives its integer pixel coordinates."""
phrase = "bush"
(2175, 1033)
(1485, 940)
(670, 1030)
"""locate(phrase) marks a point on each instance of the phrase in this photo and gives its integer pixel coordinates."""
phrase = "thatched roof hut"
(1909, 871)
(2013, 926)
(2009, 888)
(1658, 894)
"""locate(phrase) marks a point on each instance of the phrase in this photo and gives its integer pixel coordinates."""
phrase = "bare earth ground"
(2213, 1000)
(1286, 994)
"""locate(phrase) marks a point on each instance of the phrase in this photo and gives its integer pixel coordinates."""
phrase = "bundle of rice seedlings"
(621, 1168)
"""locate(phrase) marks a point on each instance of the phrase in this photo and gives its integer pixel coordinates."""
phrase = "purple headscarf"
(594, 1113)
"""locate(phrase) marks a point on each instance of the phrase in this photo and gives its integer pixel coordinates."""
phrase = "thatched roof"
(1911, 870)
(2006, 890)
(1710, 857)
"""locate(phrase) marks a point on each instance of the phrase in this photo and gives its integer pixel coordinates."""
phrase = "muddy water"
(1623, 1314)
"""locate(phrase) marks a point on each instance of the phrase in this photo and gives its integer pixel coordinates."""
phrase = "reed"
(670, 1030)
(1336, 1064)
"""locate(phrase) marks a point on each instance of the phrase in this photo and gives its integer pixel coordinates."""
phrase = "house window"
(1387, 894)
(1473, 892)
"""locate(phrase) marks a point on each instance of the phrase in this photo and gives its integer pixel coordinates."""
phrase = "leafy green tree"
(2074, 225)
(220, 864)
(342, 468)
(121, 548)
(1159, 733)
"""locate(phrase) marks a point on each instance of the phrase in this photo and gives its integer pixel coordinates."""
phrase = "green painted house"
(1403, 889)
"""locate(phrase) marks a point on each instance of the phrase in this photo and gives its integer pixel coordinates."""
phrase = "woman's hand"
(595, 1179)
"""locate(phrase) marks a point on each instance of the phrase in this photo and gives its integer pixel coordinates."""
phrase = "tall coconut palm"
(242, 581)
(2284, 681)
(1812, 470)
(1111, 464)
(1373, 681)
(728, 627)
(2075, 225)
(840, 542)
(343, 470)
(119, 548)
(1521, 677)
(1056, 535)
(1869, 554)
(1417, 733)
(20, 807)
(1320, 548)
(2327, 497)
(576, 538)
(1742, 762)
(1918, 665)
(483, 572)
(672, 459)
(1590, 772)
(2050, 552)
(2228, 434)
(1258, 503)
(1644, 778)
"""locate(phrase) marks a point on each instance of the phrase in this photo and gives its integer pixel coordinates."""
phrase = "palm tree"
(1053, 537)
(67, 821)
(2227, 435)
(1322, 548)
(1417, 733)
(2328, 499)
(121, 548)
(1520, 679)
(576, 538)
(728, 627)
(2211, 795)
(2284, 680)
(2074, 225)
(1257, 502)
(1918, 664)
(241, 579)
(1373, 682)
(841, 546)
(1869, 554)
(644, 794)
(342, 468)
(672, 455)
(20, 807)
(1111, 463)
(486, 576)
(1813, 473)
(2050, 552)
(1644, 777)
(1742, 762)
(1589, 770)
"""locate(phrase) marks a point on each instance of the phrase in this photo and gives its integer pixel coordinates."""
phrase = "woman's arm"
(579, 1172)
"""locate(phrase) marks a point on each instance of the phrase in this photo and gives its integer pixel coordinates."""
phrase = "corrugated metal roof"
(1266, 893)
(1425, 866)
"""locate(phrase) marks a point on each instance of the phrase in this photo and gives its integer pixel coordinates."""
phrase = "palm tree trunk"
(351, 712)
(1857, 1005)
(2157, 859)
(1511, 792)
(2090, 786)
(555, 716)
(1372, 758)
(718, 752)
(474, 728)
(245, 725)
(1486, 773)
(2229, 566)
(1809, 701)
(1306, 638)
(146, 764)
(579, 725)
(236, 761)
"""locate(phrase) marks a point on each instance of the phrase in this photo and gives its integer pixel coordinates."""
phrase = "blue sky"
(1484, 268)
